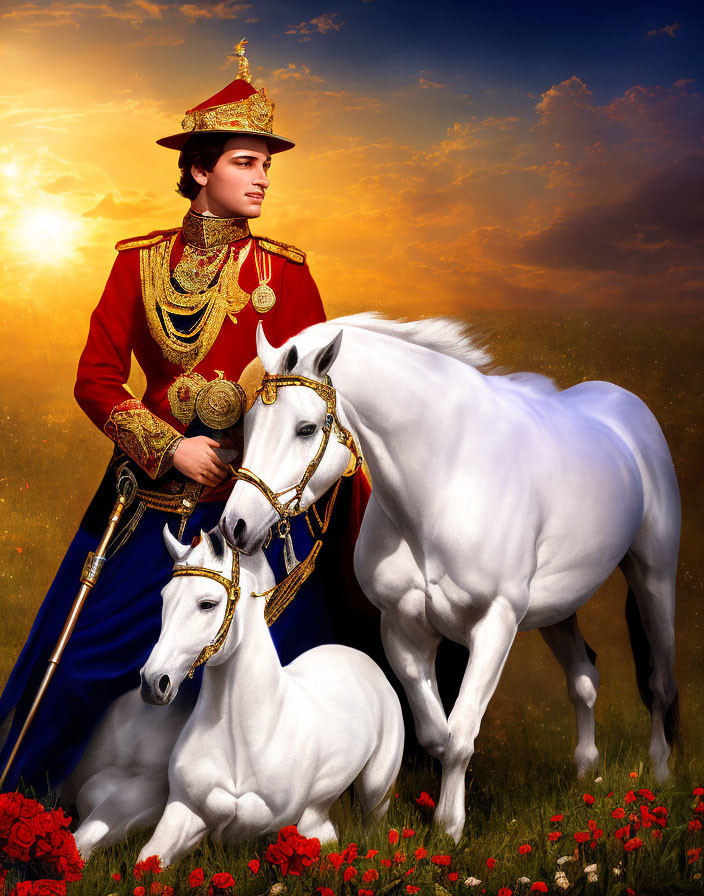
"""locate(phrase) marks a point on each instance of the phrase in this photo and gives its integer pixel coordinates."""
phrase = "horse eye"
(207, 604)
(305, 429)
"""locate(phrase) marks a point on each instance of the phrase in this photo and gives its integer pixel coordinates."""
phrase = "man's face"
(236, 186)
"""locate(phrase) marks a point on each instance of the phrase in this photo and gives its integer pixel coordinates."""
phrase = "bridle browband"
(268, 391)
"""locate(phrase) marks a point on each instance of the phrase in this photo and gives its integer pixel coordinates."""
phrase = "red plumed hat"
(236, 109)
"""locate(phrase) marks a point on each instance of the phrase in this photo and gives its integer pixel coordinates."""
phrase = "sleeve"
(299, 306)
(104, 368)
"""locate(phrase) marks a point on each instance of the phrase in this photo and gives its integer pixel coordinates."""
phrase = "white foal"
(499, 504)
(266, 745)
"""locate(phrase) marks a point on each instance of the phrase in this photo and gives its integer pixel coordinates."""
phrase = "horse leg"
(389, 576)
(489, 643)
(316, 822)
(179, 831)
(374, 783)
(650, 612)
(577, 660)
(126, 802)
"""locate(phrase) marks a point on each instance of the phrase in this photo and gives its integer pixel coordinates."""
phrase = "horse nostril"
(164, 683)
(238, 533)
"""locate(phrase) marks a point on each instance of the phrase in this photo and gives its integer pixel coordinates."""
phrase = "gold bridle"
(292, 507)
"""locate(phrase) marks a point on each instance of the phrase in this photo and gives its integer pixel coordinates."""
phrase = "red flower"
(151, 864)
(139, 891)
(223, 880)
(588, 799)
(554, 836)
(253, 866)
(633, 774)
(369, 875)
(596, 834)
(621, 833)
(524, 849)
(386, 862)
(425, 800)
(582, 836)
(349, 873)
(196, 877)
(411, 888)
(349, 853)
(699, 807)
(491, 863)
(336, 860)
(647, 794)
(421, 853)
(556, 819)
(632, 844)
(693, 855)
(452, 876)
(399, 857)
(695, 825)
(698, 791)
(407, 832)
(539, 887)
(117, 876)
(441, 860)
(292, 852)
(393, 836)
(618, 813)
(324, 891)
(371, 853)
(156, 888)
(505, 891)
(39, 888)
(657, 835)
(365, 892)
(630, 797)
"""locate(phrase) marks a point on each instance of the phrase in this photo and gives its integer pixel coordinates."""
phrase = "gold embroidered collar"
(205, 232)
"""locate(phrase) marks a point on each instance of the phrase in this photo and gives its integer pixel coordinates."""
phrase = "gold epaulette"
(141, 242)
(277, 248)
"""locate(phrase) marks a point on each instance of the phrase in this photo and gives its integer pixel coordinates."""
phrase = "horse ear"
(177, 550)
(326, 356)
(217, 542)
(267, 353)
(291, 359)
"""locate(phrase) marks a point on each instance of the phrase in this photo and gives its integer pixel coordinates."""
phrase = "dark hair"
(202, 150)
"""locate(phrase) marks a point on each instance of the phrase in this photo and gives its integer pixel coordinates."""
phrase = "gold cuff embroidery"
(142, 436)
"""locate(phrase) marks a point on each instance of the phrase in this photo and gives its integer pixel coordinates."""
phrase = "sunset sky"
(449, 155)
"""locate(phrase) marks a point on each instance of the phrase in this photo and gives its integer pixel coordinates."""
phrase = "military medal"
(263, 297)
(182, 396)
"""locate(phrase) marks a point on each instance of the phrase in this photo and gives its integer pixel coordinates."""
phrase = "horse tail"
(642, 656)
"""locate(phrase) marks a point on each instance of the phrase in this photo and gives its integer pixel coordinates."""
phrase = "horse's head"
(295, 444)
(198, 612)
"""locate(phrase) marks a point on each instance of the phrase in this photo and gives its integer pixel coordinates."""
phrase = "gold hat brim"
(273, 141)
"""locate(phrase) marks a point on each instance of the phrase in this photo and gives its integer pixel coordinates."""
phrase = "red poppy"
(491, 863)
(369, 875)
(253, 866)
(293, 852)
(588, 799)
(452, 876)
(693, 855)
(441, 860)
(539, 887)
(196, 877)
(385, 862)
(117, 876)
(582, 836)
(505, 891)
(371, 853)
(630, 797)
(524, 849)
(408, 832)
(621, 833)
(168, 891)
(695, 825)
(647, 794)
(393, 836)
(139, 891)
(336, 860)
(349, 853)
(151, 865)
(223, 880)
(324, 891)
(618, 813)
(411, 888)
(556, 819)
(425, 800)
(349, 873)
(699, 807)
(632, 844)
(421, 853)
(554, 836)
(609, 794)
(698, 791)
(399, 857)
(596, 834)
(633, 774)
(157, 888)
(365, 892)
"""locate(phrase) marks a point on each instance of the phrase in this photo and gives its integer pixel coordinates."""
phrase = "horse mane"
(449, 337)
(440, 334)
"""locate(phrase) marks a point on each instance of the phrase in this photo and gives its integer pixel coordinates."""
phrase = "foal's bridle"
(292, 507)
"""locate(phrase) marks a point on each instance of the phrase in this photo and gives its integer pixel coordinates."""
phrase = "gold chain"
(198, 267)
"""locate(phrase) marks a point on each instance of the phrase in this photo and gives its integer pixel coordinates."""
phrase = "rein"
(292, 507)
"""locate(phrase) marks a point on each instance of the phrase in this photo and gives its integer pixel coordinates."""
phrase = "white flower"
(589, 869)
(472, 882)
(592, 877)
(598, 780)
(696, 876)
(523, 880)
(563, 859)
(618, 872)
(561, 880)
(278, 889)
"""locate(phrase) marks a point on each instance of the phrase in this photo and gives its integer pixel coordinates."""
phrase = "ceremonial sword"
(126, 490)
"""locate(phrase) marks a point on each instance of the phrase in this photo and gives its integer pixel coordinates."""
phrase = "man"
(187, 303)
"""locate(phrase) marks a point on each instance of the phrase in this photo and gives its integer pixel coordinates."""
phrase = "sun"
(49, 236)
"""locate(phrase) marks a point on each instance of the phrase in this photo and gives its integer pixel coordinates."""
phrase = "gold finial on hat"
(243, 73)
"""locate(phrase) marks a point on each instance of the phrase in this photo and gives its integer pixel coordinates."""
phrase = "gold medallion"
(220, 403)
(182, 394)
(263, 298)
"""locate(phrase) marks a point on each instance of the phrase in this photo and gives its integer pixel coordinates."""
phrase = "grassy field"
(51, 461)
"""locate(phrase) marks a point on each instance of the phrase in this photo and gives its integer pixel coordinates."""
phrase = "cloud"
(425, 84)
(293, 72)
(32, 17)
(67, 183)
(224, 10)
(161, 38)
(665, 31)
(321, 24)
(117, 208)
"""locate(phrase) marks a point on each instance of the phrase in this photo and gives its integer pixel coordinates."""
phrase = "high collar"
(206, 231)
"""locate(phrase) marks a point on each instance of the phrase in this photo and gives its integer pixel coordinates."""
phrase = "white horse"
(499, 504)
(265, 746)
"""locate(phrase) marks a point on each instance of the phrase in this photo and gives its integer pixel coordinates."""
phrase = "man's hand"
(196, 458)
